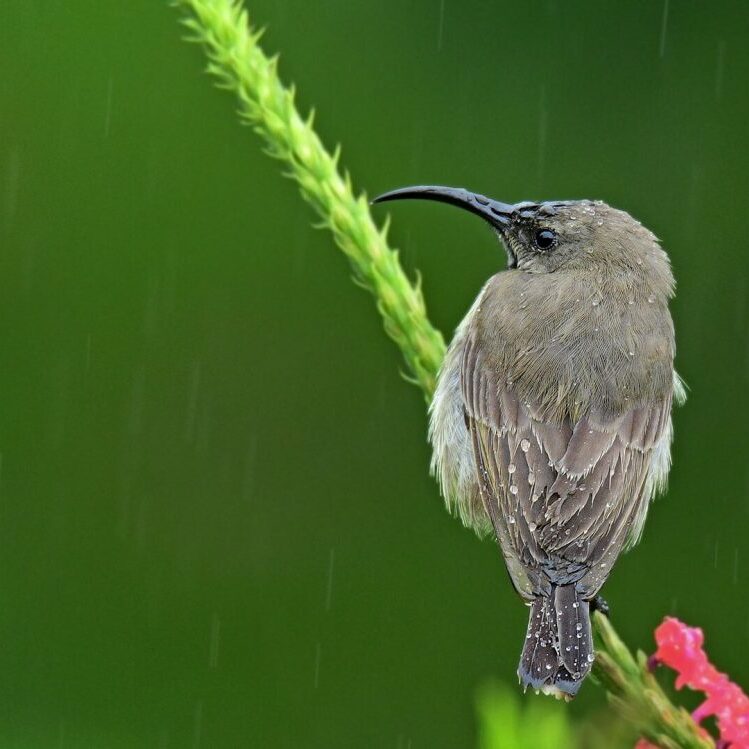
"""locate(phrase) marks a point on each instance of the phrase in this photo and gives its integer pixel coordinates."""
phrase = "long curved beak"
(499, 215)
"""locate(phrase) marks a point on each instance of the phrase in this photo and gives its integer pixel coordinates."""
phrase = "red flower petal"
(680, 648)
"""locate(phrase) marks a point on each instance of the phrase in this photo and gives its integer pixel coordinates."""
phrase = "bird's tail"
(558, 651)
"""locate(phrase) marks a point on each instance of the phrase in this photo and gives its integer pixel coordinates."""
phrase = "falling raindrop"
(719, 69)
(108, 109)
(542, 127)
(318, 655)
(664, 25)
(215, 641)
(10, 198)
(735, 565)
(441, 25)
(300, 245)
(197, 725)
(135, 421)
(87, 357)
(192, 401)
(329, 588)
(163, 739)
(250, 461)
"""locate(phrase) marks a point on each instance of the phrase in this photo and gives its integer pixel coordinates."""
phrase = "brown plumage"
(551, 422)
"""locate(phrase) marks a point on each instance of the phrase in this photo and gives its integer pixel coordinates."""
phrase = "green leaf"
(510, 720)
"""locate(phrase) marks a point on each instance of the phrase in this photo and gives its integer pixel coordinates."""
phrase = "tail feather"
(558, 650)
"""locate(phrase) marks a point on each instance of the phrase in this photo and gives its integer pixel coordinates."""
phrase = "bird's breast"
(567, 343)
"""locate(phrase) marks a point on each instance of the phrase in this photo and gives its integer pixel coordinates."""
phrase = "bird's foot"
(599, 604)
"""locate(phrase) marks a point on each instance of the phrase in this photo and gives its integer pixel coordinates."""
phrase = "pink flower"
(680, 648)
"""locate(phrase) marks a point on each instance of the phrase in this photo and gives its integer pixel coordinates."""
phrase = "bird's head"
(545, 237)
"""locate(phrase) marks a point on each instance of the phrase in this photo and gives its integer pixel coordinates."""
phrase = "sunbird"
(551, 420)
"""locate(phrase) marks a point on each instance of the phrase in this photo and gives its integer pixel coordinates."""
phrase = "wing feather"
(563, 497)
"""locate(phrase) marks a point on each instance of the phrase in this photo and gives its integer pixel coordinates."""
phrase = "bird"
(550, 424)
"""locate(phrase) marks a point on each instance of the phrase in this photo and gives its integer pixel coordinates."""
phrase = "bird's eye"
(544, 239)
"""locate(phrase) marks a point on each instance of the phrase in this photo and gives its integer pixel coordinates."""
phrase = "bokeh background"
(217, 527)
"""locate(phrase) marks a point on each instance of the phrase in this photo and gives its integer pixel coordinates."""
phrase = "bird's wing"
(563, 498)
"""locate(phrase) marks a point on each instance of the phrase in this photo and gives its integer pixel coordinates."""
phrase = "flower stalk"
(635, 694)
(237, 63)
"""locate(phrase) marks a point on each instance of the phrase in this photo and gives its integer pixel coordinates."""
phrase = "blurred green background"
(217, 527)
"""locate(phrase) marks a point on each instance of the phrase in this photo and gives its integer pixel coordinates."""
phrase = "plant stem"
(239, 64)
